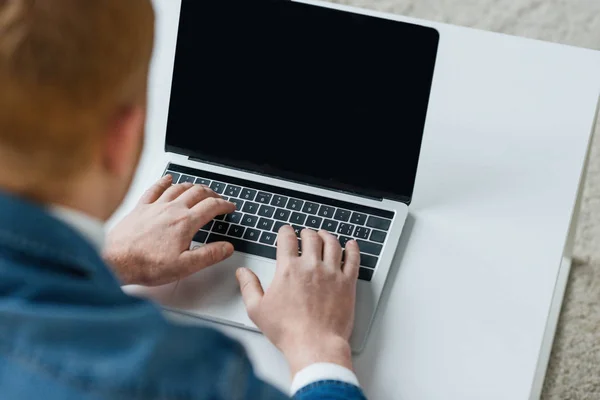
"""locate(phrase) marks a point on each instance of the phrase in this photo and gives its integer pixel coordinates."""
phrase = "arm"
(308, 310)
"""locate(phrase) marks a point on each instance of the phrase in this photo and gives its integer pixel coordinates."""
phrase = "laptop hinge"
(286, 179)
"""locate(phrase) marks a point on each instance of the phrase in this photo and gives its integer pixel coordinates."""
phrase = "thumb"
(192, 261)
(252, 291)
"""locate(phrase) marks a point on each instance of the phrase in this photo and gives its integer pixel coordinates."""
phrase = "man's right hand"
(308, 310)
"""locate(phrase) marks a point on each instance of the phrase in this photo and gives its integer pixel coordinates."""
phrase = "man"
(73, 76)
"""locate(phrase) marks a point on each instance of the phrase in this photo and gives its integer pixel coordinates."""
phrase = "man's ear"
(124, 140)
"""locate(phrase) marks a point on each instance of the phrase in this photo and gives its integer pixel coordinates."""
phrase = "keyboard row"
(254, 242)
(268, 236)
(263, 217)
(255, 198)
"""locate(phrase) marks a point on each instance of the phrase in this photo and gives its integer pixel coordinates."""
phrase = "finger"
(312, 245)
(174, 192)
(332, 251)
(287, 243)
(195, 195)
(351, 259)
(156, 190)
(209, 208)
(192, 261)
(252, 291)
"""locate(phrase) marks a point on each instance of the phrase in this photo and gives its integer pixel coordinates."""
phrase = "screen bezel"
(270, 171)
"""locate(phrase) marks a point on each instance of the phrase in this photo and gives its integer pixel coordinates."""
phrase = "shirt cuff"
(322, 372)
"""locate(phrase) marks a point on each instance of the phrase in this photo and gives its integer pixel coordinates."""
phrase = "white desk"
(471, 304)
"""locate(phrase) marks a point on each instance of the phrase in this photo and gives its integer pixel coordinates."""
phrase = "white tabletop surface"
(465, 307)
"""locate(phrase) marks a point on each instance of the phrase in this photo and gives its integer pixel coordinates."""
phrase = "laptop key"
(174, 175)
(263, 197)
(236, 231)
(330, 225)
(310, 208)
(208, 226)
(202, 181)
(314, 222)
(249, 220)
(220, 217)
(367, 260)
(238, 203)
(268, 238)
(250, 207)
(248, 194)
(358, 218)
(365, 274)
(294, 204)
(220, 227)
(378, 223)
(298, 218)
(282, 215)
(233, 191)
(265, 224)
(378, 236)
(200, 236)
(369, 247)
(225, 198)
(361, 232)
(252, 234)
(234, 217)
(326, 211)
(342, 215)
(278, 225)
(343, 240)
(266, 211)
(217, 187)
(345, 229)
(186, 178)
(279, 201)
(244, 246)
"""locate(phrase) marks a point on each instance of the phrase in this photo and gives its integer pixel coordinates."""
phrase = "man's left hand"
(151, 245)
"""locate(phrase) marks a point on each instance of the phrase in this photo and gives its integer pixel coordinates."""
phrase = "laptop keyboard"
(262, 209)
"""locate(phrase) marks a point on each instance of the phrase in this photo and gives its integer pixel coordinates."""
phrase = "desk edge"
(562, 279)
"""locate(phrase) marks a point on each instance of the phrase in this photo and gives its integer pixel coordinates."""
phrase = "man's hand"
(308, 311)
(151, 245)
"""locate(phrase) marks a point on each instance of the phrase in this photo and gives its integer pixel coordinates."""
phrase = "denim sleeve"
(330, 390)
(221, 364)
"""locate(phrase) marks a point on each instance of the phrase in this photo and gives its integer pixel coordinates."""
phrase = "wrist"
(112, 260)
(300, 353)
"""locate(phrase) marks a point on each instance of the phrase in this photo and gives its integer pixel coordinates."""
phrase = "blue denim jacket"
(67, 331)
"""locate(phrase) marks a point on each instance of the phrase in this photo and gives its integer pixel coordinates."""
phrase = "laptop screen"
(300, 92)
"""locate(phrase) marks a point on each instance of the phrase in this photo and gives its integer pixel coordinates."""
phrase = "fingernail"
(239, 272)
(168, 177)
(225, 249)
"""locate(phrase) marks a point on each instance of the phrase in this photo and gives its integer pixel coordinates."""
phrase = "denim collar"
(28, 228)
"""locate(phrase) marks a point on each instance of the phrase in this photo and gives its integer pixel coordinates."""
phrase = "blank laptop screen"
(301, 92)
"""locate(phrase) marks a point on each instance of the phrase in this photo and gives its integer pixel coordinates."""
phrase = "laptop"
(301, 114)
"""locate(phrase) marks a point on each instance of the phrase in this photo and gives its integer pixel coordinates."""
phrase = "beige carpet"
(574, 372)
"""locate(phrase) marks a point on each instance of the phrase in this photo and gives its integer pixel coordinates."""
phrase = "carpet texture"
(574, 370)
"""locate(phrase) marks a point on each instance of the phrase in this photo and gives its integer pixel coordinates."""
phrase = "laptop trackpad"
(213, 293)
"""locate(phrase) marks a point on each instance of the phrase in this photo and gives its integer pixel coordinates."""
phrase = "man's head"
(73, 81)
